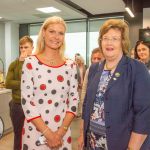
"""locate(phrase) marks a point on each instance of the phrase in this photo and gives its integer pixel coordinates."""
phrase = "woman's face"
(143, 52)
(111, 44)
(54, 36)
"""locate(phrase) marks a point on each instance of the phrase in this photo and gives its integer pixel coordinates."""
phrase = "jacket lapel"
(118, 72)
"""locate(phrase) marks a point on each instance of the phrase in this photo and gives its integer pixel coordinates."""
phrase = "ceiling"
(24, 11)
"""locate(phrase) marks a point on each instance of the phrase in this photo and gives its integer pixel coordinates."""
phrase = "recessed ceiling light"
(48, 9)
(1, 17)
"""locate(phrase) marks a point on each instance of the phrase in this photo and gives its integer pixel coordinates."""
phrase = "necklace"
(110, 68)
(51, 62)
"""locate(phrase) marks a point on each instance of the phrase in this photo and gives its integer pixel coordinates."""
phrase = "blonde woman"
(49, 91)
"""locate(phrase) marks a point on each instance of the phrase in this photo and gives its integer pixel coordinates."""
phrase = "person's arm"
(65, 125)
(81, 137)
(11, 82)
(141, 107)
(136, 141)
(84, 86)
(72, 103)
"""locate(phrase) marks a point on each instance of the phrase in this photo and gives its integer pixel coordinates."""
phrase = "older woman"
(142, 52)
(49, 91)
(116, 109)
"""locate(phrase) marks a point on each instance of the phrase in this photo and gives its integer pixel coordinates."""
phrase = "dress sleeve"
(141, 101)
(27, 94)
(73, 99)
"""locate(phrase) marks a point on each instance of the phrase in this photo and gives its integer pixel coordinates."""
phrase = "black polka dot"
(37, 143)
(28, 111)
(30, 128)
(39, 76)
(37, 69)
(53, 92)
(25, 147)
(49, 71)
(61, 96)
(73, 86)
(28, 87)
(62, 87)
(66, 72)
(65, 148)
(35, 88)
(28, 136)
(23, 81)
(28, 96)
(23, 101)
(40, 101)
(46, 122)
(46, 111)
(72, 94)
(73, 108)
(32, 79)
(39, 63)
(68, 82)
(56, 104)
(45, 94)
(76, 76)
(49, 81)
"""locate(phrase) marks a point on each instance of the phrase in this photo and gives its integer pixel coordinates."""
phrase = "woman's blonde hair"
(122, 26)
(40, 42)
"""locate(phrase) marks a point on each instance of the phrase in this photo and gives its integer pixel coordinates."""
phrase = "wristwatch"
(65, 128)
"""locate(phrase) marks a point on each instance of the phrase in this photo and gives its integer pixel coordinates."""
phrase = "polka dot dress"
(47, 92)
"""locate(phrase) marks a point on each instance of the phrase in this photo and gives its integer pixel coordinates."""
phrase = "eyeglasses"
(113, 39)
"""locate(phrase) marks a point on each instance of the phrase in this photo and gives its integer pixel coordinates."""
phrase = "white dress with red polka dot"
(47, 92)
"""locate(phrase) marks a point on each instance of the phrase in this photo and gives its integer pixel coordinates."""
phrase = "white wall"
(2, 45)
(9, 39)
(146, 17)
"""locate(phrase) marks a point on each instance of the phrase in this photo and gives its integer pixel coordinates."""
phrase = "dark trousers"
(17, 118)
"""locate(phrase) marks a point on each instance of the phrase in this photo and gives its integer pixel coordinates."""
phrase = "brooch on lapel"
(117, 74)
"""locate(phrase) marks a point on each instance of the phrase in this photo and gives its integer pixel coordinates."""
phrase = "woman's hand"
(80, 142)
(54, 141)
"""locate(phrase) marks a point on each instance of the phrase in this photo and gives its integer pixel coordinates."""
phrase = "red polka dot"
(32, 103)
(49, 101)
(69, 140)
(29, 66)
(60, 78)
(42, 86)
(57, 118)
(23, 131)
(67, 102)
